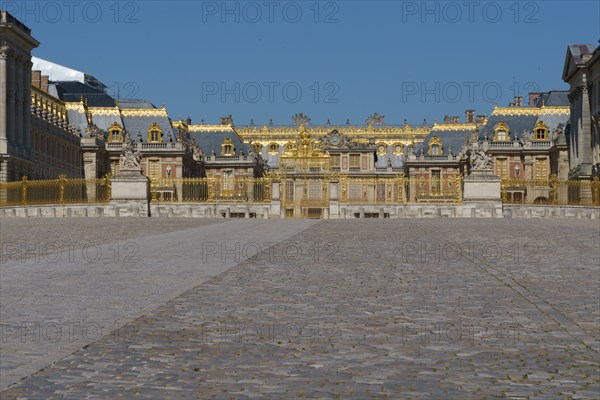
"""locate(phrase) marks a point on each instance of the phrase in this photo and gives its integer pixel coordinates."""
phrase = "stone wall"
(269, 210)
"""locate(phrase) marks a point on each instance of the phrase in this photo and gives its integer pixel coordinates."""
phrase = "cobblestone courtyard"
(186, 309)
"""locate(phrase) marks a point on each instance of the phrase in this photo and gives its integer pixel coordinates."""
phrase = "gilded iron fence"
(551, 191)
(55, 191)
(400, 190)
(447, 189)
(211, 189)
(372, 190)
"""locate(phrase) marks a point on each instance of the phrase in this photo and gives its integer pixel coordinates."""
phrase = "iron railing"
(55, 191)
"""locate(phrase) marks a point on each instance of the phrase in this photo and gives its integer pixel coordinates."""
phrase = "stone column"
(10, 99)
(27, 103)
(19, 101)
(585, 135)
(3, 93)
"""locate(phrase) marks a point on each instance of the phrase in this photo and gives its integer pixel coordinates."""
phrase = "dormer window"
(154, 133)
(501, 132)
(227, 148)
(115, 133)
(435, 146)
(540, 131)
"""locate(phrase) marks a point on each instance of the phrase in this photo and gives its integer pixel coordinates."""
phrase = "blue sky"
(346, 59)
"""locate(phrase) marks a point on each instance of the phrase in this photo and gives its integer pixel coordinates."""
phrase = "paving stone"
(346, 309)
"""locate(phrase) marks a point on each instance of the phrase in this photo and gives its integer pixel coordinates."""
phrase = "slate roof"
(135, 104)
(135, 125)
(451, 139)
(516, 123)
(553, 98)
(72, 91)
(213, 140)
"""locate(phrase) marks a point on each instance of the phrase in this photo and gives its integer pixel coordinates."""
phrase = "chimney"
(518, 101)
(470, 116)
(480, 119)
(36, 78)
(227, 120)
(456, 119)
(188, 121)
(44, 83)
(532, 98)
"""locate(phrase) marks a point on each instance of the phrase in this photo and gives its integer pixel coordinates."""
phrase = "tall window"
(354, 161)
(335, 161)
(154, 169)
(314, 189)
(502, 167)
(435, 150)
(541, 169)
(289, 191)
(228, 180)
(436, 182)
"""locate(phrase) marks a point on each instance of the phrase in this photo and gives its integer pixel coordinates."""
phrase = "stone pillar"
(585, 134)
(482, 185)
(3, 94)
(130, 193)
(10, 100)
(19, 101)
(27, 103)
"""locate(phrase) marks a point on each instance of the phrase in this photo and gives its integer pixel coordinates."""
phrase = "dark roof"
(135, 103)
(137, 124)
(209, 141)
(516, 123)
(451, 139)
(553, 98)
(73, 91)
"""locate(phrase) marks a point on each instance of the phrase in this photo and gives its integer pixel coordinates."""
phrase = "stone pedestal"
(482, 185)
(130, 193)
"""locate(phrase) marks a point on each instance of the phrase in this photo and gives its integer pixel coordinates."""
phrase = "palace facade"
(59, 121)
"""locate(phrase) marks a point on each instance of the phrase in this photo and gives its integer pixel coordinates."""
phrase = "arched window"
(273, 148)
(540, 131)
(501, 132)
(154, 133)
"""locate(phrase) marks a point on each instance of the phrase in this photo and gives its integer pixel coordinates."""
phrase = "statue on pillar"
(130, 157)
